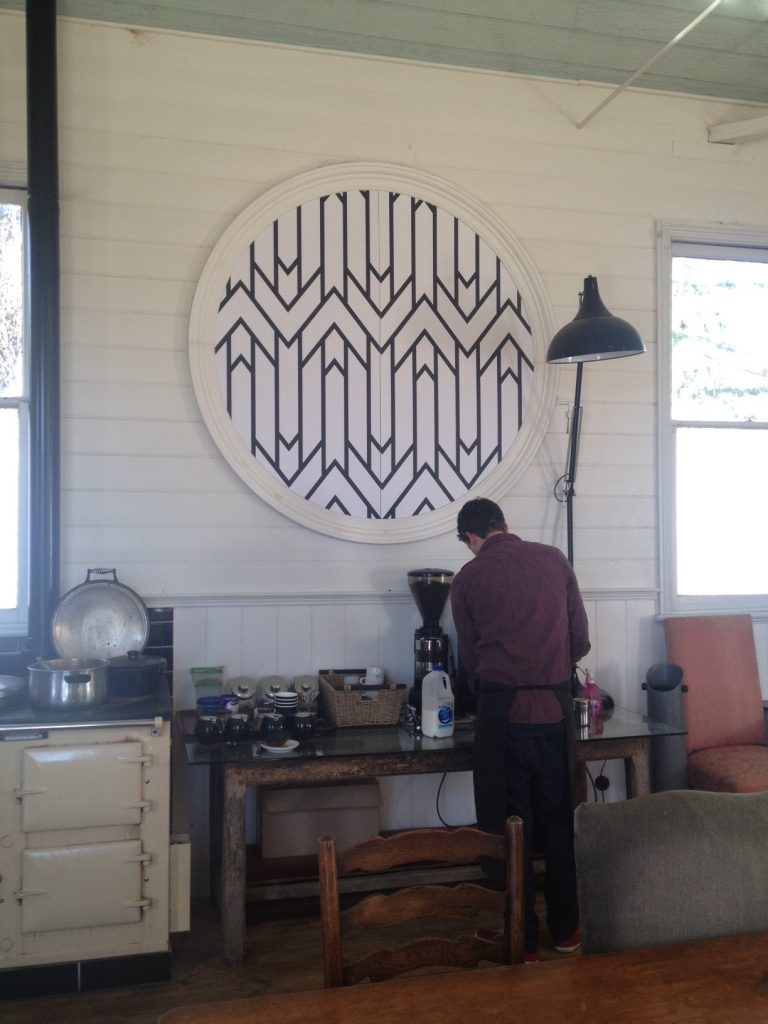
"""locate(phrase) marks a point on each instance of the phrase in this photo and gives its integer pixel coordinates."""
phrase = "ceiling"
(607, 41)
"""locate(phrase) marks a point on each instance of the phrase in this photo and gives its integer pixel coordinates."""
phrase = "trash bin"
(669, 754)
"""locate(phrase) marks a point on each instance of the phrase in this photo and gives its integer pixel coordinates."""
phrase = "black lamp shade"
(594, 333)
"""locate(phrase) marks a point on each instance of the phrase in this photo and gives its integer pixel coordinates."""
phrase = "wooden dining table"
(712, 981)
(353, 754)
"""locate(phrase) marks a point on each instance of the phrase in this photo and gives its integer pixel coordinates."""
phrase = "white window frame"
(14, 622)
(696, 239)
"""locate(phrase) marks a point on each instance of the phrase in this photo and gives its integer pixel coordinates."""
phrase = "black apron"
(489, 775)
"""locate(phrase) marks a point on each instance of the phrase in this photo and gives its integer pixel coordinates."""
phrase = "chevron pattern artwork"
(374, 354)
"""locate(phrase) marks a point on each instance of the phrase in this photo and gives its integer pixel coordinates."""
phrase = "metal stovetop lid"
(100, 619)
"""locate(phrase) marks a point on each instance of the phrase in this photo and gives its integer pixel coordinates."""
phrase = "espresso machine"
(431, 645)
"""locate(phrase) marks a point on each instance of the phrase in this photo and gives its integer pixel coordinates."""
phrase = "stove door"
(82, 886)
(81, 787)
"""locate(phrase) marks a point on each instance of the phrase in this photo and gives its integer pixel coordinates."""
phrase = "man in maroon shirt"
(522, 627)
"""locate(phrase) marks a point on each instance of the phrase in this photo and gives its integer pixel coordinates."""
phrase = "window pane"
(719, 340)
(9, 507)
(11, 304)
(722, 495)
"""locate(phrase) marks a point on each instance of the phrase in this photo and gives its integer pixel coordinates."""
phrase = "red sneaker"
(531, 958)
(569, 944)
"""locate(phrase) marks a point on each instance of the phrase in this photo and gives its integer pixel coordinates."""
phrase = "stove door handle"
(137, 904)
(20, 792)
(21, 894)
(142, 759)
(142, 805)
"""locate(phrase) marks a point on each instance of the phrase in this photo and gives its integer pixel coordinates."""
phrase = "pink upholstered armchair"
(724, 712)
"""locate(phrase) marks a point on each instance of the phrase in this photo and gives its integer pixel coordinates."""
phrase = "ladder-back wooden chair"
(422, 848)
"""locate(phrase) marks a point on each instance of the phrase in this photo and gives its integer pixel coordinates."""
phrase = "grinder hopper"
(430, 588)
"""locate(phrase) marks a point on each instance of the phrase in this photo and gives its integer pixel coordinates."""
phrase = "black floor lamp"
(592, 334)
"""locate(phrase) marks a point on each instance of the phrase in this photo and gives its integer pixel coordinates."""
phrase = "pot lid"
(100, 619)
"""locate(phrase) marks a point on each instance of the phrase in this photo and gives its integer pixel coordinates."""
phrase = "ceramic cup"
(237, 728)
(301, 725)
(209, 729)
(271, 725)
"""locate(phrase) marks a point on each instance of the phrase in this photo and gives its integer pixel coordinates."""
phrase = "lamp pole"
(573, 454)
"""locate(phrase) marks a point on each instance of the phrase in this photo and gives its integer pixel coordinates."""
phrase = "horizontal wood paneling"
(156, 159)
(95, 364)
(133, 328)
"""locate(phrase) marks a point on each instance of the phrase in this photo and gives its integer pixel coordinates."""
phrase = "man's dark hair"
(480, 516)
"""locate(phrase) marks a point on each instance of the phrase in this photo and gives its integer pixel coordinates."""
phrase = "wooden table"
(346, 754)
(716, 981)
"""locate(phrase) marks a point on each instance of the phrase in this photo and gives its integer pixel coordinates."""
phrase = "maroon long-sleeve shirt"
(520, 621)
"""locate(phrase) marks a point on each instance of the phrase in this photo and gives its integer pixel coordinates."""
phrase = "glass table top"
(393, 739)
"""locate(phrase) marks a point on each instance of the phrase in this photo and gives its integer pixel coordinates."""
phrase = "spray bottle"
(592, 693)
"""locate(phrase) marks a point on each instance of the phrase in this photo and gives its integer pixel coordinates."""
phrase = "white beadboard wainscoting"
(292, 634)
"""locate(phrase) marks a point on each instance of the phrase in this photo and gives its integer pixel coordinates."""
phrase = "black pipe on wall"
(44, 326)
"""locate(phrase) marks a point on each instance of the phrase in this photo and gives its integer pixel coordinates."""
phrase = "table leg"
(637, 769)
(233, 865)
(215, 832)
(581, 783)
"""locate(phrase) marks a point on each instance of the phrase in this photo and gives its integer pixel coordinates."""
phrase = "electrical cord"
(600, 784)
(437, 802)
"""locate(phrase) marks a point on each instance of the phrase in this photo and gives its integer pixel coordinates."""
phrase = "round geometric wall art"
(366, 347)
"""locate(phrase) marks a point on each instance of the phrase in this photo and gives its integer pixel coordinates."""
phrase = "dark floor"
(283, 954)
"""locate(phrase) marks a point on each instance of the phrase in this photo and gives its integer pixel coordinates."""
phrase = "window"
(14, 414)
(714, 419)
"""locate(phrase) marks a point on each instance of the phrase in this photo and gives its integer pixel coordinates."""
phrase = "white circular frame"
(202, 328)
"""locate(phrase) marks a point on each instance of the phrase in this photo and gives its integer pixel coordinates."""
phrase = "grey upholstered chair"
(671, 867)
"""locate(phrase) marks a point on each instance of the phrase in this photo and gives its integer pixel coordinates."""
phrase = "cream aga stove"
(85, 846)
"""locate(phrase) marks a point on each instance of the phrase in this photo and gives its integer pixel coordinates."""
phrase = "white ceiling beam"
(649, 63)
(740, 131)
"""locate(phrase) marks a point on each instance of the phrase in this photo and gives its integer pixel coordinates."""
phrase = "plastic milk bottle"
(436, 704)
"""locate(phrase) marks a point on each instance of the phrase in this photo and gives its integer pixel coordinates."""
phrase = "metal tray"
(100, 619)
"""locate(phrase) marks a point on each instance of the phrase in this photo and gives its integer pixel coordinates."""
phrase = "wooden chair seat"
(422, 848)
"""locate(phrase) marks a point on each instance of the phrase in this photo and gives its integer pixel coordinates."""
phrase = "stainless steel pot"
(134, 674)
(67, 683)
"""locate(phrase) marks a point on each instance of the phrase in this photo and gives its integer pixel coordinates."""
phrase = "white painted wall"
(164, 139)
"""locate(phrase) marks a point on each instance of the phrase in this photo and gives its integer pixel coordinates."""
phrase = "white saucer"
(284, 748)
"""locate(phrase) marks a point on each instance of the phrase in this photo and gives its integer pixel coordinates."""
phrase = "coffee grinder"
(431, 645)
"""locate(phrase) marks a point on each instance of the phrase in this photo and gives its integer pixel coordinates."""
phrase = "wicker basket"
(346, 705)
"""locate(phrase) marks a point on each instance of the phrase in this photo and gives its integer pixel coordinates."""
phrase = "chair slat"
(465, 900)
(416, 846)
